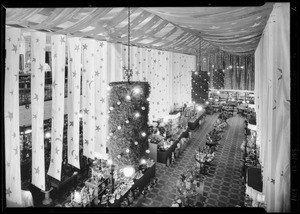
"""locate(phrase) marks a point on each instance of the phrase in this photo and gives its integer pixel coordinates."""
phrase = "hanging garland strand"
(128, 71)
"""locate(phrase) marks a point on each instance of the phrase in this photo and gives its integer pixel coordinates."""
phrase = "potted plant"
(47, 191)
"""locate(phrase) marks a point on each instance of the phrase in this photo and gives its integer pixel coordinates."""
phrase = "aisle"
(223, 185)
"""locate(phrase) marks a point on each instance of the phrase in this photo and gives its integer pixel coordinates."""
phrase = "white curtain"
(101, 89)
(168, 75)
(11, 115)
(58, 82)
(88, 93)
(38, 65)
(272, 100)
(74, 84)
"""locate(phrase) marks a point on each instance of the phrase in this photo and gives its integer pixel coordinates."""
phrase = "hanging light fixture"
(128, 71)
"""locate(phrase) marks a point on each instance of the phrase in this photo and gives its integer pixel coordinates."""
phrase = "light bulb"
(143, 134)
(111, 108)
(28, 131)
(148, 99)
(137, 114)
(128, 97)
(137, 90)
(127, 121)
(109, 162)
(127, 150)
(119, 127)
(118, 103)
(147, 151)
(143, 161)
(47, 135)
(143, 108)
(136, 143)
(128, 171)
(199, 108)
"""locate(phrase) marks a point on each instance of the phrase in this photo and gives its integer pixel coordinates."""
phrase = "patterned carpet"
(223, 186)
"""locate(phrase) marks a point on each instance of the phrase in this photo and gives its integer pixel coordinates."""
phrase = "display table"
(216, 108)
(194, 123)
(164, 156)
(140, 184)
(242, 111)
(229, 109)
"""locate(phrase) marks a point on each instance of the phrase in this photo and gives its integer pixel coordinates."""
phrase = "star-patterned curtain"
(11, 115)
(38, 44)
(272, 102)
(88, 93)
(74, 74)
(182, 86)
(101, 89)
(169, 83)
(58, 54)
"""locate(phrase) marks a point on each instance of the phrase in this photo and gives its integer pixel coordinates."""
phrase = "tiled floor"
(223, 186)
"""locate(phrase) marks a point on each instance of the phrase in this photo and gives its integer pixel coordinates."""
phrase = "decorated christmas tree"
(128, 122)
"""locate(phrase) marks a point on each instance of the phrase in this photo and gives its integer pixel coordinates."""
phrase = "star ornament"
(10, 115)
(36, 97)
(85, 47)
(37, 170)
(8, 191)
(15, 48)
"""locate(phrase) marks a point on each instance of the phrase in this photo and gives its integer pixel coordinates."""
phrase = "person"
(199, 190)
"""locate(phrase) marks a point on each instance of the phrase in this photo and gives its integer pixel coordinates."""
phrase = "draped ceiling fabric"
(38, 44)
(11, 115)
(232, 29)
(58, 81)
(272, 100)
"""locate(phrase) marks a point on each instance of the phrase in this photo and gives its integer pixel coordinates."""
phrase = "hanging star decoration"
(36, 97)
(8, 191)
(280, 70)
(54, 84)
(85, 47)
(37, 170)
(15, 48)
(56, 150)
(16, 150)
(62, 39)
(86, 111)
(10, 115)
(76, 47)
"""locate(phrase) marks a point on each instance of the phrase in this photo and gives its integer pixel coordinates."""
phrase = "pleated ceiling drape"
(272, 102)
